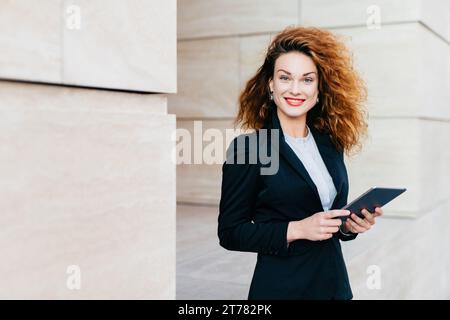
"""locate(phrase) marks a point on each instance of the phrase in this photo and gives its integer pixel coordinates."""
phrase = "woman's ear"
(271, 85)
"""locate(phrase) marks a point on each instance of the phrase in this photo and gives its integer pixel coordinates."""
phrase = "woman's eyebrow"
(290, 73)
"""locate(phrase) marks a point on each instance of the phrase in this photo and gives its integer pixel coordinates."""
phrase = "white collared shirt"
(308, 153)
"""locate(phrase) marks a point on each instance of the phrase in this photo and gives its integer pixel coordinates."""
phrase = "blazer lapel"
(328, 154)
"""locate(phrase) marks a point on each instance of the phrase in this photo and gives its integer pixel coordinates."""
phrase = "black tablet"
(372, 198)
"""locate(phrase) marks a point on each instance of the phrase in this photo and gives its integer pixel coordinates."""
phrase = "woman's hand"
(319, 226)
(357, 225)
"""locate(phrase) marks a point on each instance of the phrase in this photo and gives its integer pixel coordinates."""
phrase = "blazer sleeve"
(345, 236)
(236, 229)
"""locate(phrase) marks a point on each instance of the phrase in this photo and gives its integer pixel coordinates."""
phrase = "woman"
(308, 92)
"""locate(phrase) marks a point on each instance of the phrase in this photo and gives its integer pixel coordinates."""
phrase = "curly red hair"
(340, 112)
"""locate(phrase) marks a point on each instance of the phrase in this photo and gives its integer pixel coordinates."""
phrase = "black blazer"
(255, 210)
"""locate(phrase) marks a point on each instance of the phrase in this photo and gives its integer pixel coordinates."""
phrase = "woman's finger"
(348, 226)
(378, 212)
(330, 222)
(369, 216)
(360, 221)
(355, 228)
(336, 213)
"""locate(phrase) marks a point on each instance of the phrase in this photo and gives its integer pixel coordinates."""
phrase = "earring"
(271, 95)
(317, 99)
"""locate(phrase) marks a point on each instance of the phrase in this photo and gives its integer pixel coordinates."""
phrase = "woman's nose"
(295, 87)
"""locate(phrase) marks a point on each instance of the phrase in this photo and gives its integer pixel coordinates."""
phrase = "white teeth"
(294, 101)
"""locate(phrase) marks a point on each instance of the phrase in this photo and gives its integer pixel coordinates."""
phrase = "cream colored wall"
(87, 174)
(127, 45)
(406, 64)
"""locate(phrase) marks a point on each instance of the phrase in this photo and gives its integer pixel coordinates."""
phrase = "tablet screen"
(372, 198)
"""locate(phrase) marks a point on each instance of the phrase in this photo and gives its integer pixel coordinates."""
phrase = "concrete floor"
(204, 269)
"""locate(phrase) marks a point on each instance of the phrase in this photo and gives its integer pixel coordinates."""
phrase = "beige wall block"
(406, 153)
(201, 182)
(198, 18)
(434, 14)
(390, 158)
(435, 159)
(208, 79)
(389, 61)
(325, 13)
(85, 184)
(30, 40)
(252, 54)
(67, 98)
(122, 45)
(367, 13)
(435, 76)
(406, 68)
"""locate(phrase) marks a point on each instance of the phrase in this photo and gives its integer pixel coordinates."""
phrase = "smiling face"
(294, 84)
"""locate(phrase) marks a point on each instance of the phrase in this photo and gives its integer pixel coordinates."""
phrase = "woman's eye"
(283, 78)
(309, 80)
